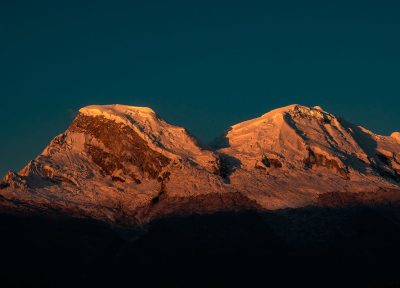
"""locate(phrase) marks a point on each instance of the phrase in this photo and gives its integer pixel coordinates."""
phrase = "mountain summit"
(124, 163)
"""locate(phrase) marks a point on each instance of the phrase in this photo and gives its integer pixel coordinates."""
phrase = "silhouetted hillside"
(309, 247)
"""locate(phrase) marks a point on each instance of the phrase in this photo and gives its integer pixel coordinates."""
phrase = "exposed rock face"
(319, 160)
(122, 148)
(13, 181)
(123, 163)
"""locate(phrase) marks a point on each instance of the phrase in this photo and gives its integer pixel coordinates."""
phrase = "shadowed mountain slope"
(307, 247)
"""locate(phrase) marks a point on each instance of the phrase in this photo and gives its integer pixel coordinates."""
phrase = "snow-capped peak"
(294, 139)
(144, 121)
(172, 141)
(114, 108)
(299, 111)
(118, 113)
(281, 127)
(125, 156)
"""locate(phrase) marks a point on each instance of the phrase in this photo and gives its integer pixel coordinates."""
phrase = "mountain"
(124, 164)
(292, 155)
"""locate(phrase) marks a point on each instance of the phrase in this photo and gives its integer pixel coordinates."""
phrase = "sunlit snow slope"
(119, 162)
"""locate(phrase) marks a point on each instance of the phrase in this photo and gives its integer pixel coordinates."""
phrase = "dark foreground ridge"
(164, 206)
(308, 247)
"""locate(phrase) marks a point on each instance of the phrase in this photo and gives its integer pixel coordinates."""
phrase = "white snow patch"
(396, 135)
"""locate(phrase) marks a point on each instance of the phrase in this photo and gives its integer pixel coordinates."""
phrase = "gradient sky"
(202, 64)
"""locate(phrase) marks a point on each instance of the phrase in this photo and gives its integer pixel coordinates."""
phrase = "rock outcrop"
(124, 164)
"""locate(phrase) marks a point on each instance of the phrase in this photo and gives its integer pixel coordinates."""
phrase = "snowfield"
(117, 159)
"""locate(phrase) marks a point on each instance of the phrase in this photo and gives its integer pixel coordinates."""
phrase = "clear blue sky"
(202, 64)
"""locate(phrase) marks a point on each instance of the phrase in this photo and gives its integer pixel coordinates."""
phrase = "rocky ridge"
(124, 163)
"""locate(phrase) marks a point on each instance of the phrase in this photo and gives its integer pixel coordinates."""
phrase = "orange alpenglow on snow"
(117, 158)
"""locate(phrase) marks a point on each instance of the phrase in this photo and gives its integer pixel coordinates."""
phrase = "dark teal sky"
(202, 64)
